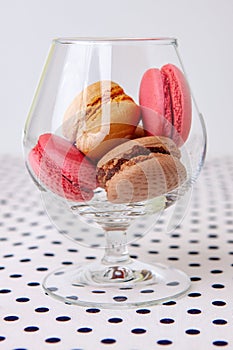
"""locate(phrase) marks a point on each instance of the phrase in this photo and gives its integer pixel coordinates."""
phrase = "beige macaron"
(141, 169)
(101, 112)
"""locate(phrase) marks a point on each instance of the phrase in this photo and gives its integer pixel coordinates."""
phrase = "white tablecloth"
(202, 246)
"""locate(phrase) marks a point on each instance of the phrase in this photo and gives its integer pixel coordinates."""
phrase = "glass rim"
(109, 40)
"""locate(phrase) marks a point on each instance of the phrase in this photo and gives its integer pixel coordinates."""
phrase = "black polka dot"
(25, 234)
(52, 340)
(22, 300)
(67, 262)
(120, 298)
(153, 252)
(169, 303)
(194, 295)
(193, 241)
(5, 291)
(16, 275)
(41, 237)
(11, 318)
(216, 271)
(49, 254)
(31, 329)
(33, 284)
(16, 244)
(147, 291)
(194, 311)
(219, 321)
(41, 269)
(8, 255)
(220, 343)
(143, 311)
(41, 309)
(72, 297)
(59, 273)
(213, 226)
(218, 286)
(25, 260)
(138, 331)
(52, 289)
(84, 330)
(192, 331)
(33, 224)
(175, 235)
(212, 236)
(63, 318)
(167, 320)
(133, 256)
(93, 310)
(137, 235)
(174, 246)
(98, 291)
(173, 283)
(219, 303)
(2, 338)
(108, 341)
(164, 342)
(115, 320)
(195, 279)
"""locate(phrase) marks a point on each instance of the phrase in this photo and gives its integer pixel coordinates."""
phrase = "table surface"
(202, 246)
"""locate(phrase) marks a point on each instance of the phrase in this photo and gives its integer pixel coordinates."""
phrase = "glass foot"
(135, 284)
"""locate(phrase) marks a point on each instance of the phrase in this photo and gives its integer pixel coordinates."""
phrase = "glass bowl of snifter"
(113, 139)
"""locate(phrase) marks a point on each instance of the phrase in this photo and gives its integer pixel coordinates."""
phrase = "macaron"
(101, 112)
(165, 98)
(61, 168)
(141, 169)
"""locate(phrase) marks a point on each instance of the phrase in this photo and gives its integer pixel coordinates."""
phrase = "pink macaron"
(62, 168)
(166, 103)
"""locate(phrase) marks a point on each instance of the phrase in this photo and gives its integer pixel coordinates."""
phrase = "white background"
(204, 29)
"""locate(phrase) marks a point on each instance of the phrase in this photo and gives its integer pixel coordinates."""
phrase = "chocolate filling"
(134, 156)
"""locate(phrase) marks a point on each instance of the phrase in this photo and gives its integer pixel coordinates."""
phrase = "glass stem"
(116, 251)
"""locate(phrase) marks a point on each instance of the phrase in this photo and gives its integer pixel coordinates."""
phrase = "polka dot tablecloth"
(202, 246)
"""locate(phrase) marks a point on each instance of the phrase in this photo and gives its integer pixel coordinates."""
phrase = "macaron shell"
(155, 176)
(168, 108)
(102, 111)
(180, 102)
(121, 121)
(125, 148)
(151, 97)
(85, 102)
(62, 168)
